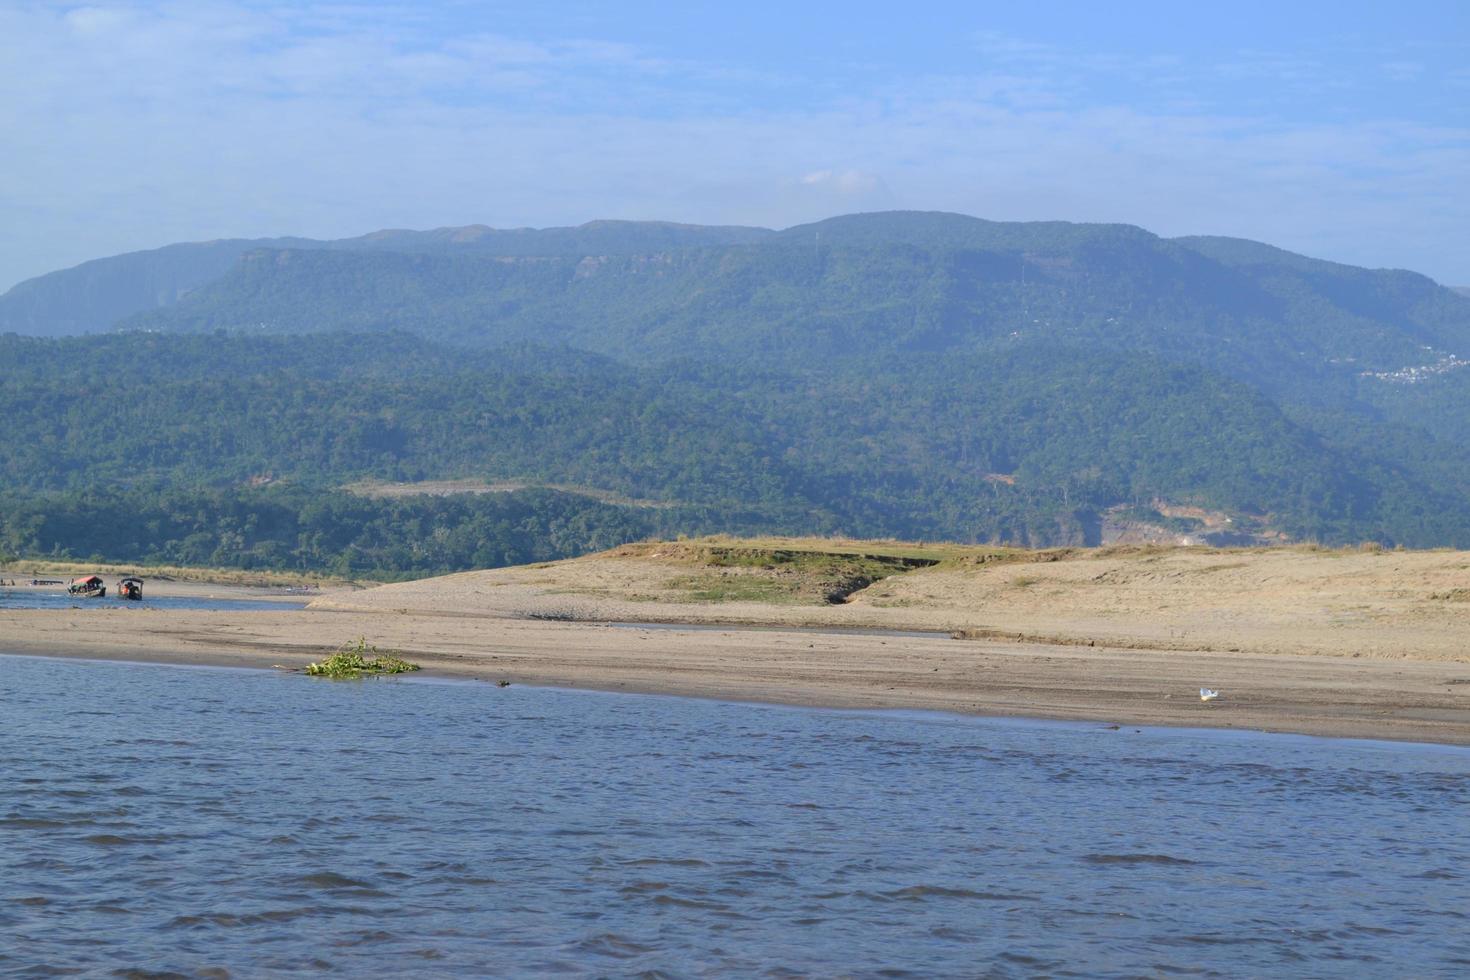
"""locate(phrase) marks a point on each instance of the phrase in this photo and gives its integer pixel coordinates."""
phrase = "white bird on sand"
(1205, 694)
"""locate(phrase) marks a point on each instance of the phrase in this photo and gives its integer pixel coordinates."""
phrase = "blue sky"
(1340, 130)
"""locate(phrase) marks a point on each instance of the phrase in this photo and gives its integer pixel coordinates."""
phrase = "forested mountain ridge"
(895, 283)
(602, 237)
(96, 295)
(899, 280)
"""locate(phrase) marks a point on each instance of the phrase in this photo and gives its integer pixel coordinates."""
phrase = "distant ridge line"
(104, 293)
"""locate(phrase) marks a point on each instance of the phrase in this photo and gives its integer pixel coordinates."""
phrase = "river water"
(33, 599)
(233, 822)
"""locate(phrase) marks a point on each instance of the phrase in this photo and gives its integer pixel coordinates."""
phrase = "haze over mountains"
(97, 295)
(904, 373)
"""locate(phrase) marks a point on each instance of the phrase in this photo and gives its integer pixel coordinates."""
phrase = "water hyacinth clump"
(357, 659)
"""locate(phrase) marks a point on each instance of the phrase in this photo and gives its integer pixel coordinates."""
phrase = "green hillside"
(95, 295)
(884, 283)
(903, 374)
(1028, 446)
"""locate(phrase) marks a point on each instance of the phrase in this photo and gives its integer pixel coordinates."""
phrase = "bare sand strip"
(1370, 645)
(1413, 700)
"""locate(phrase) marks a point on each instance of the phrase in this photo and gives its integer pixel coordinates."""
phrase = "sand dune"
(1380, 604)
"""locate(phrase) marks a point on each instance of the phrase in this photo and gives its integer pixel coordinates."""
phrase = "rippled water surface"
(33, 599)
(199, 821)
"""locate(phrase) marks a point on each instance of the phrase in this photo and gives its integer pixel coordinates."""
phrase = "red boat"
(88, 587)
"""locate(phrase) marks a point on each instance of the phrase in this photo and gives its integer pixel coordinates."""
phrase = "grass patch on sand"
(738, 588)
(732, 546)
(359, 659)
(784, 571)
(740, 571)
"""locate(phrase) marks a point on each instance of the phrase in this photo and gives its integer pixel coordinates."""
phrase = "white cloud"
(95, 20)
(844, 182)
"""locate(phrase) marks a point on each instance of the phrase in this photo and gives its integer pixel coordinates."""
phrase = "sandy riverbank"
(174, 582)
(1288, 601)
(1318, 643)
(1315, 695)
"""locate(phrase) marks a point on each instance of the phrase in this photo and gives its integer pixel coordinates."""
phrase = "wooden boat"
(130, 588)
(88, 587)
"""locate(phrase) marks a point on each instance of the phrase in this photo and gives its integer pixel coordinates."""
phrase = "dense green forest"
(292, 528)
(915, 375)
(1028, 445)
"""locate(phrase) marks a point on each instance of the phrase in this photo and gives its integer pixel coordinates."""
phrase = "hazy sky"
(1337, 129)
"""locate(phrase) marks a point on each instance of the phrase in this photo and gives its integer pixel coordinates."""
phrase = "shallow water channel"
(60, 599)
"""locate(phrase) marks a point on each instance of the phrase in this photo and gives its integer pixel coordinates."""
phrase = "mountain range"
(913, 373)
(98, 295)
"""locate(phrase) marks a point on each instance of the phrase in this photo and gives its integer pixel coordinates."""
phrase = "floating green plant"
(357, 659)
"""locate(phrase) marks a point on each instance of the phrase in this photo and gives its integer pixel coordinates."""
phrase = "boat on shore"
(130, 588)
(88, 587)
